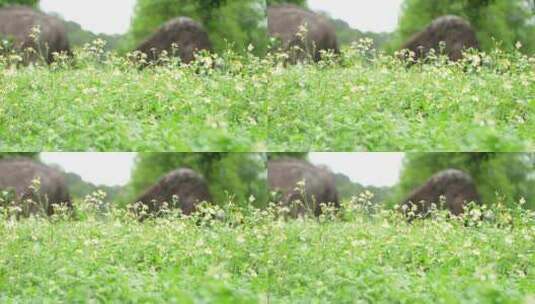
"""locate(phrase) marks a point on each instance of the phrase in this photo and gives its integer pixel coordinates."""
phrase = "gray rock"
(457, 34)
(320, 188)
(186, 185)
(187, 34)
(17, 177)
(17, 23)
(285, 23)
(457, 187)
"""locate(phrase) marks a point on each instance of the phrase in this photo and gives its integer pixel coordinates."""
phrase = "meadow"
(360, 254)
(363, 101)
(99, 101)
(375, 102)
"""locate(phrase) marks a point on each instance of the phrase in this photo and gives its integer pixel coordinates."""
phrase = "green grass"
(361, 102)
(251, 257)
(377, 104)
(116, 106)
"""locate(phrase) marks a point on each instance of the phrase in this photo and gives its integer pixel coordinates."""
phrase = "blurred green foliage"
(21, 2)
(506, 175)
(4, 155)
(240, 175)
(502, 21)
(296, 2)
(235, 24)
(78, 36)
(347, 190)
(347, 35)
(299, 155)
(79, 188)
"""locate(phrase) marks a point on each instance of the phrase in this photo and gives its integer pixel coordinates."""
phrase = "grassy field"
(253, 257)
(110, 104)
(362, 102)
(378, 104)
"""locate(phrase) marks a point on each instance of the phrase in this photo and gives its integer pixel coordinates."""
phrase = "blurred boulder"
(299, 27)
(18, 25)
(32, 186)
(456, 34)
(188, 35)
(286, 175)
(456, 187)
(181, 188)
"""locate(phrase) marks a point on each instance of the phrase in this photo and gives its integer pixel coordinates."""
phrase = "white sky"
(376, 169)
(110, 169)
(365, 15)
(98, 16)
(113, 16)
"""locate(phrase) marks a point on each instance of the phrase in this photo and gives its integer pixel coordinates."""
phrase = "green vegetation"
(296, 2)
(79, 188)
(18, 154)
(235, 24)
(347, 35)
(348, 189)
(365, 101)
(513, 172)
(78, 37)
(373, 102)
(251, 256)
(299, 155)
(108, 103)
(20, 2)
(244, 173)
(506, 21)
